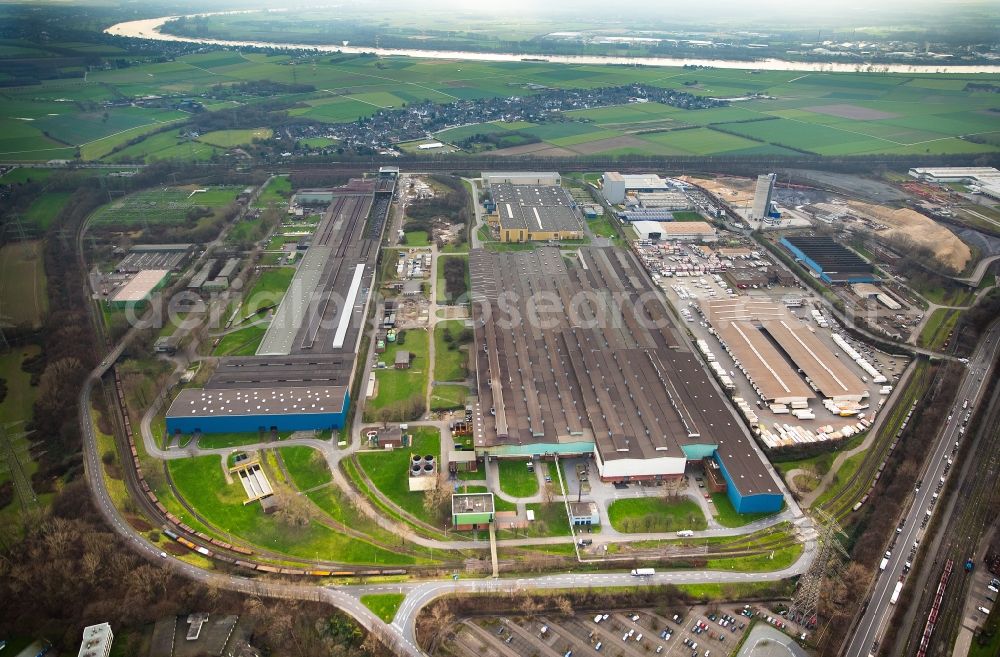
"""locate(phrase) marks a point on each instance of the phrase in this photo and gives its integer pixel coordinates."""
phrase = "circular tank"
(428, 468)
(429, 458)
(415, 470)
(415, 458)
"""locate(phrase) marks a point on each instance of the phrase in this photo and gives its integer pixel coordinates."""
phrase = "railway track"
(973, 506)
(864, 480)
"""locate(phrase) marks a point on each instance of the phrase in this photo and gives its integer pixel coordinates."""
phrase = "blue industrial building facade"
(754, 503)
(250, 423)
(853, 277)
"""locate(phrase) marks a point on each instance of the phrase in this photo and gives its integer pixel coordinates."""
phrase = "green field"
(200, 481)
(388, 471)
(23, 300)
(233, 138)
(166, 205)
(824, 113)
(385, 605)
(841, 479)
(278, 191)
(450, 358)
(655, 514)
(267, 291)
(938, 328)
(306, 466)
(401, 392)
(448, 397)
(44, 209)
(416, 238)
(515, 480)
(16, 405)
(242, 342)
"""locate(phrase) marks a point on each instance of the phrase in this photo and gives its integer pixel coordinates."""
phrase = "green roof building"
(471, 510)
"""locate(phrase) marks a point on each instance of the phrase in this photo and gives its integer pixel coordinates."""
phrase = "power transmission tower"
(829, 551)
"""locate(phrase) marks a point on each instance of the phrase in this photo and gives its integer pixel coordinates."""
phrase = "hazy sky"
(754, 13)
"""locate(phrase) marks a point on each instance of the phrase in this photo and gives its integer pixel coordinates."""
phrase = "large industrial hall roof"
(197, 402)
(582, 370)
(535, 207)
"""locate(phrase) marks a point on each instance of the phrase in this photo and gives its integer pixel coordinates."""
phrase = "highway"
(878, 612)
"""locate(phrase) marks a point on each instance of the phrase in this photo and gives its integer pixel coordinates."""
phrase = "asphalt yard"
(617, 633)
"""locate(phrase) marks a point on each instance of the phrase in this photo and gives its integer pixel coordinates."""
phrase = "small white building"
(96, 641)
(684, 231)
(430, 146)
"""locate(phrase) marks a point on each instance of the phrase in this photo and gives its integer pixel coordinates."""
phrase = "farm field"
(231, 138)
(22, 283)
(165, 205)
(164, 146)
(820, 112)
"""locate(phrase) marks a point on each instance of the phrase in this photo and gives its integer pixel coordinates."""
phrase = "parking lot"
(685, 295)
(684, 632)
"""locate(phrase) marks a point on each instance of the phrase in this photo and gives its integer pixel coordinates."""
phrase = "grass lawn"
(602, 226)
(986, 642)
(220, 440)
(727, 516)
(654, 514)
(449, 357)
(278, 191)
(773, 560)
(268, 290)
(550, 519)
(447, 397)
(16, 406)
(687, 215)
(243, 342)
(306, 466)
(843, 477)
(515, 480)
(201, 482)
(938, 326)
(384, 605)
(22, 283)
(388, 469)
(416, 238)
(401, 391)
(45, 208)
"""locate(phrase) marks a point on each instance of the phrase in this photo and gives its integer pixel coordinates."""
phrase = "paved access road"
(972, 387)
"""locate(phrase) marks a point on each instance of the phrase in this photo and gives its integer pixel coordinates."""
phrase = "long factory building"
(585, 359)
(766, 340)
(300, 377)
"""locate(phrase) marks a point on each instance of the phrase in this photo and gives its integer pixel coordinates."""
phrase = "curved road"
(400, 635)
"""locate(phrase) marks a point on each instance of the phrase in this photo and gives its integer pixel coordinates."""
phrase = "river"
(150, 29)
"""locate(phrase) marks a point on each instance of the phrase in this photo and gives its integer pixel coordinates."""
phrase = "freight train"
(182, 533)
